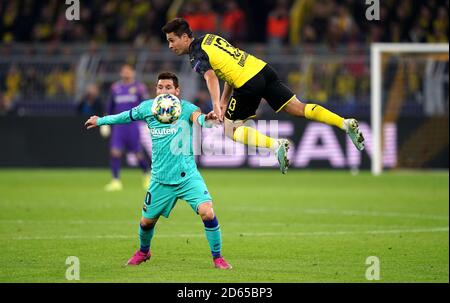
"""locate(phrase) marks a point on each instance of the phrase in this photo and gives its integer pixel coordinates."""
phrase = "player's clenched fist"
(211, 116)
(91, 122)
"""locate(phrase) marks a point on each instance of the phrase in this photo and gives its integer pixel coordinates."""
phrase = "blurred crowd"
(56, 82)
(400, 21)
(295, 21)
(266, 24)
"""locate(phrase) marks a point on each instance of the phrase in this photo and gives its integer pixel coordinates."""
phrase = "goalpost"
(376, 78)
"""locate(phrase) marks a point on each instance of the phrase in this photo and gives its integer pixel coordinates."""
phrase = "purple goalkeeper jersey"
(124, 97)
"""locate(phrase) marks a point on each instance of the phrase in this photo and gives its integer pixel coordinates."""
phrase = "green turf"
(306, 226)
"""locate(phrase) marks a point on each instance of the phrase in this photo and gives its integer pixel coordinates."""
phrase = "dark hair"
(169, 76)
(128, 65)
(179, 26)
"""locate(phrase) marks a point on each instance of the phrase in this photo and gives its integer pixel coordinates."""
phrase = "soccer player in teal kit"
(174, 174)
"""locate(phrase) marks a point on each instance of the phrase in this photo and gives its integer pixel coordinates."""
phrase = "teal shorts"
(161, 198)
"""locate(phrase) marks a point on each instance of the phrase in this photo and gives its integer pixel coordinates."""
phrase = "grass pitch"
(306, 226)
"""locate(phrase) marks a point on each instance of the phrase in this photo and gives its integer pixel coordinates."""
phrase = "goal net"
(409, 106)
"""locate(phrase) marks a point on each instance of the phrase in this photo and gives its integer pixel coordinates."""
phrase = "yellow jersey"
(229, 63)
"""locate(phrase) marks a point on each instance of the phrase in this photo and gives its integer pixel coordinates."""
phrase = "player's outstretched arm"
(212, 82)
(122, 118)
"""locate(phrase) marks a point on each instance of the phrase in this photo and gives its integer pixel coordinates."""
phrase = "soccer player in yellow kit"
(247, 80)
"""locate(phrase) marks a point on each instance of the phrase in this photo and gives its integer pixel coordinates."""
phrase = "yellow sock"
(318, 113)
(252, 137)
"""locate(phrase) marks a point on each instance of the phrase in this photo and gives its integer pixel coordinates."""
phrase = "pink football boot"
(221, 263)
(139, 257)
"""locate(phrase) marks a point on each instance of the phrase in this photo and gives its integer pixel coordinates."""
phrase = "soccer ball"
(166, 108)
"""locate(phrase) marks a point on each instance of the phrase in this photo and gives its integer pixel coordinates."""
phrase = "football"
(166, 108)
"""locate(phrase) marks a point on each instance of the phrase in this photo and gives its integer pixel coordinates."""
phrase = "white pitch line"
(343, 212)
(190, 223)
(269, 234)
(318, 211)
(375, 214)
(338, 233)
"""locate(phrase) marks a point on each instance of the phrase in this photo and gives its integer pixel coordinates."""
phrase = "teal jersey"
(173, 158)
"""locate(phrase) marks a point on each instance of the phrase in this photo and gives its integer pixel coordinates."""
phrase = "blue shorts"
(161, 198)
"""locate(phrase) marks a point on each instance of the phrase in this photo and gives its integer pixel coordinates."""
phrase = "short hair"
(179, 26)
(129, 65)
(169, 76)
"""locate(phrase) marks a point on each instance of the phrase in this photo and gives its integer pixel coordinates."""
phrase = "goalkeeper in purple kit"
(126, 94)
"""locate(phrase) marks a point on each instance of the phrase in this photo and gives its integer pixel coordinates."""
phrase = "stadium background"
(49, 66)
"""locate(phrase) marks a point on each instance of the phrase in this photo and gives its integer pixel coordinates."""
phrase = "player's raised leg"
(319, 113)
(213, 234)
(146, 231)
(250, 136)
